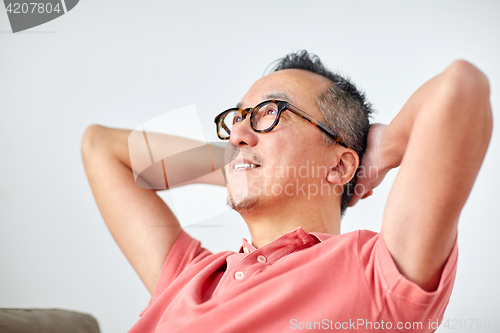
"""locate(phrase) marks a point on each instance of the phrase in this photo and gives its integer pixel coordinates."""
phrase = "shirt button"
(239, 275)
(245, 250)
(261, 259)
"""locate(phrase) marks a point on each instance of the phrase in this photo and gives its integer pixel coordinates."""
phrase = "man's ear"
(344, 167)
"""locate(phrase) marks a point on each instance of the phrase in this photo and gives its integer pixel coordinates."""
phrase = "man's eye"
(236, 119)
(270, 111)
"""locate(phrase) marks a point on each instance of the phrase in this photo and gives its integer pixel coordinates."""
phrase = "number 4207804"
(478, 324)
(32, 7)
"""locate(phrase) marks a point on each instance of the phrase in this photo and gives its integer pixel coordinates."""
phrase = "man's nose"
(243, 134)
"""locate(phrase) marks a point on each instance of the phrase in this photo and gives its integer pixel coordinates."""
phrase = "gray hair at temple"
(345, 109)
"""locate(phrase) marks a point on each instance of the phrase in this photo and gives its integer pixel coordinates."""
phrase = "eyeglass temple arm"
(316, 122)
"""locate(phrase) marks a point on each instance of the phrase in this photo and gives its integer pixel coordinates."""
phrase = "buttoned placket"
(253, 260)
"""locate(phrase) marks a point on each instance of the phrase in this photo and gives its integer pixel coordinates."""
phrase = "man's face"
(287, 161)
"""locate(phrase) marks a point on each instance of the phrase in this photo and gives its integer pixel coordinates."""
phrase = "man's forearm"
(395, 138)
(195, 167)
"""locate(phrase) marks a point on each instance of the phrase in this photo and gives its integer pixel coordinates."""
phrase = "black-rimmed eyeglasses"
(264, 118)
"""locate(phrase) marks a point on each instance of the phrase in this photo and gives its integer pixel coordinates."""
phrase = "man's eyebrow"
(274, 95)
(277, 95)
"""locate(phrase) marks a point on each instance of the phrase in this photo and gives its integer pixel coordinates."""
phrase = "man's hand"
(372, 169)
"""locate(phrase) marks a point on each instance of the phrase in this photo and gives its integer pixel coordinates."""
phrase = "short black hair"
(345, 109)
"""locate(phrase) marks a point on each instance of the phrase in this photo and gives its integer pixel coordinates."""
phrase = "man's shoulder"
(346, 246)
(361, 236)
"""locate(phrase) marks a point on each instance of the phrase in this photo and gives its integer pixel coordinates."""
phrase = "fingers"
(359, 193)
(367, 194)
(354, 200)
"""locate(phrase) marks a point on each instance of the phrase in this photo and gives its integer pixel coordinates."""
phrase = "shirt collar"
(297, 237)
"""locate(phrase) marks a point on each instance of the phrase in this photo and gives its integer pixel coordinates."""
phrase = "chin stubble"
(242, 204)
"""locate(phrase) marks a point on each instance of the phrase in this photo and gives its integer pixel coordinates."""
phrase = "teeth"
(244, 165)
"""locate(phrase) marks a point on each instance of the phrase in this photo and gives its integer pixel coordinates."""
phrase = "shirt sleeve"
(185, 251)
(397, 298)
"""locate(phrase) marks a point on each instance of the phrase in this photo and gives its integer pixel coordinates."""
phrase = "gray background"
(121, 63)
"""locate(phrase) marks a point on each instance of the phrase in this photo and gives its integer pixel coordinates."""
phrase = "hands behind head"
(371, 170)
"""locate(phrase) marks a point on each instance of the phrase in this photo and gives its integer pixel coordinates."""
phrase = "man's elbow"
(90, 138)
(468, 89)
(465, 78)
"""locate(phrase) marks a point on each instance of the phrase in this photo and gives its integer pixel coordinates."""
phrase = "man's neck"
(267, 226)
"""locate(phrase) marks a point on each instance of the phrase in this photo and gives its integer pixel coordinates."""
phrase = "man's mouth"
(245, 165)
(243, 160)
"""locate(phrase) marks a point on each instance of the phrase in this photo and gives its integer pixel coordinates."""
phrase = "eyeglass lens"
(264, 118)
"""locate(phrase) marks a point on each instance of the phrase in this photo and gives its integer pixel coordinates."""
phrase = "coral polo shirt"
(299, 282)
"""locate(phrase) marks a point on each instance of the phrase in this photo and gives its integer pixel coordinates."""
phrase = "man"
(299, 272)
